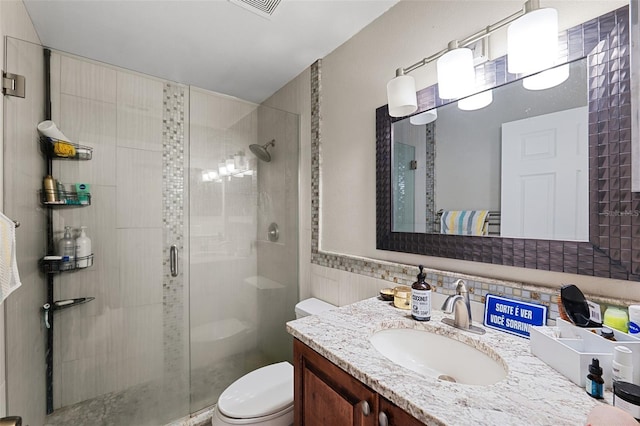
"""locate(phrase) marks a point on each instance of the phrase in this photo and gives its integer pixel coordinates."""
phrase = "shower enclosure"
(190, 290)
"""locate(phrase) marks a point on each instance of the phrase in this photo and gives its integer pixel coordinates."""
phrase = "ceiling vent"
(264, 8)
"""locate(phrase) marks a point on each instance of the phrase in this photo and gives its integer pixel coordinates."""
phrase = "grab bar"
(173, 260)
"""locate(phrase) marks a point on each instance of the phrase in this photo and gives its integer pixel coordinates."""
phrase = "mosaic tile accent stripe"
(430, 217)
(316, 87)
(575, 258)
(173, 122)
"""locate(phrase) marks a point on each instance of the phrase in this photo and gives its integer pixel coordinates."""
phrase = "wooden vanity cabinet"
(324, 394)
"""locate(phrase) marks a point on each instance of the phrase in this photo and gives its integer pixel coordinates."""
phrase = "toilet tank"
(312, 306)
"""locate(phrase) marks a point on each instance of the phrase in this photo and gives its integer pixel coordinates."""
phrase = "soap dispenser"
(66, 245)
(421, 298)
(83, 249)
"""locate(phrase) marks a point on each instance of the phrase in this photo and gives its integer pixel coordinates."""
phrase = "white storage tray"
(571, 353)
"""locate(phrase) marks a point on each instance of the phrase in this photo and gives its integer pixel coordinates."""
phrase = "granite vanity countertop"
(532, 393)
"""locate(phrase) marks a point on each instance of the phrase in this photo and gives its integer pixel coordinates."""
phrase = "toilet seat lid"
(259, 393)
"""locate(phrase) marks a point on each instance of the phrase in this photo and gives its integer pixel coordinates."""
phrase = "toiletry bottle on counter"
(622, 365)
(595, 383)
(421, 298)
(634, 319)
(66, 245)
(607, 333)
(83, 249)
(626, 396)
(616, 318)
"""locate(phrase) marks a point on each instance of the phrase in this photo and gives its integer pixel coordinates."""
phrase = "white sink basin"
(438, 356)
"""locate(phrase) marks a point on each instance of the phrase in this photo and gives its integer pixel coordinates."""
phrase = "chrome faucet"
(460, 306)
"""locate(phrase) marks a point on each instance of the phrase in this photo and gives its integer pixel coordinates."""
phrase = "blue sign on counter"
(513, 316)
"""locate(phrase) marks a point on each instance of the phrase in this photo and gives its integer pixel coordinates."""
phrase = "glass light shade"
(231, 165)
(547, 79)
(456, 74)
(477, 101)
(239, 161)
(532, 42)
(401, 95)
(424, 117)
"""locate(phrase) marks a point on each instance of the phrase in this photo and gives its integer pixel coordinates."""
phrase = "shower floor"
(153, 404)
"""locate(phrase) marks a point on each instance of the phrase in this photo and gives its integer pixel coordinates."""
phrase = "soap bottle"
(83, 249)
(49, 188)
(595, 383)
(421, 298)
(66, 245)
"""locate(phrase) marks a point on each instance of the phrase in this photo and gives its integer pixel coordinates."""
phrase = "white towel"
(9, 278)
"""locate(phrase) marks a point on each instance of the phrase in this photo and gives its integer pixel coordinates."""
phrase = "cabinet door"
(395, 416)
(327, 395)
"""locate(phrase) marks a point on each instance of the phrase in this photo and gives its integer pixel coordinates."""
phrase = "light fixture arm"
(529, 6)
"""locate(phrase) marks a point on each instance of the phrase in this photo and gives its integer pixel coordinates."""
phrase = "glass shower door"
(404, 187)
(243, 286)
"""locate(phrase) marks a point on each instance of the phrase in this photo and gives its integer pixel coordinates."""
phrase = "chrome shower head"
(261, 151)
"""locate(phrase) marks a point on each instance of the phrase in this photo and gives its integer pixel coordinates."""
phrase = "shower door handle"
(173, 260)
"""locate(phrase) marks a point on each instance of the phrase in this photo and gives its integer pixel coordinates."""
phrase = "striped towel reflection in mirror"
(464, 222)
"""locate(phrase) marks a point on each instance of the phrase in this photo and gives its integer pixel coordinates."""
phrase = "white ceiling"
(212, 44)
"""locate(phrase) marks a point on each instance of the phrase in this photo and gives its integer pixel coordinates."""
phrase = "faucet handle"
(461, 287)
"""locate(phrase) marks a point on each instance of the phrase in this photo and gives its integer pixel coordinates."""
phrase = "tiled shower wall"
(175, 211)
(135, 331)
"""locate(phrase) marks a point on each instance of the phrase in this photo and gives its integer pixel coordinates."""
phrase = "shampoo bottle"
(83, 249)
(66, 245)
(421, 298)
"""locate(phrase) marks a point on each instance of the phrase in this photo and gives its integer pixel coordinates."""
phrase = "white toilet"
(264, 396)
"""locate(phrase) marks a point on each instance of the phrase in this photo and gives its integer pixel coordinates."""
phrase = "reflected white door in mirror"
(545, 184)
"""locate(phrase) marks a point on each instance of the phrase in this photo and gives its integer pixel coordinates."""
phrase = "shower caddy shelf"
(53, 266)
(58, 150)
(69, 151)
(80, 152)
(65, 198)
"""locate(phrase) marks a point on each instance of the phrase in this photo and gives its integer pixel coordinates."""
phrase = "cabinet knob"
(366, 409)
(382, 419)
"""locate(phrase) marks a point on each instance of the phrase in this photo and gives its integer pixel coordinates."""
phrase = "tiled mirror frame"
(614, 222)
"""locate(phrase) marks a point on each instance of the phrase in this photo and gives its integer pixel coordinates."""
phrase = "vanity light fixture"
(231, 164)
(477, 101)
(456, 73)
(537, 28)
(401, 94)
(222, 169)
(547, 79)
(425, 117)
(532, 40)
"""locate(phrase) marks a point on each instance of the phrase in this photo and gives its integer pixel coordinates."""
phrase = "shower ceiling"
(212, 44)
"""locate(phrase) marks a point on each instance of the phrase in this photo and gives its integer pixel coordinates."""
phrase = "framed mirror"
(609, 245)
